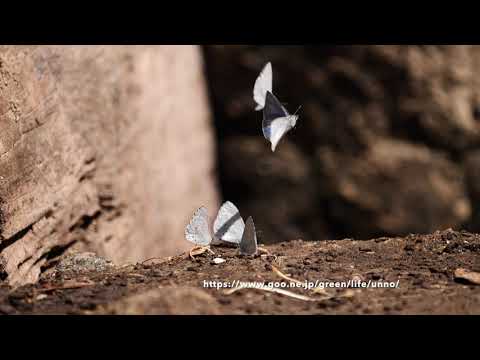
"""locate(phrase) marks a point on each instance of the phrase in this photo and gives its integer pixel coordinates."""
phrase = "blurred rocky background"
(387, 142)
(110, 149)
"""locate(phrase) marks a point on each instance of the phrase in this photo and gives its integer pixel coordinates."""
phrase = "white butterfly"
(228, 227)
(198, 230)
(276, 120)
(262, 85)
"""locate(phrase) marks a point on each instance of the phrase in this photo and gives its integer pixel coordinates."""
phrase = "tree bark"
(102, 148)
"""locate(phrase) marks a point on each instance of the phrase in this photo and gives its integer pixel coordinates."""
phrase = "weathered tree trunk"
(106, 148)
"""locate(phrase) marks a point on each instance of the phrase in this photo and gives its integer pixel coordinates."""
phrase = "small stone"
(468, 276)
(307, 262)
(358, 278)
(217, 261)
(83, 262)
(365, 248)
(41, 297)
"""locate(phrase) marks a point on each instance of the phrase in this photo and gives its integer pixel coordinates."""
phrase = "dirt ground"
(436, 274)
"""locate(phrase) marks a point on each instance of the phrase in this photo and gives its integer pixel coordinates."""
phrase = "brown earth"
(437, 274)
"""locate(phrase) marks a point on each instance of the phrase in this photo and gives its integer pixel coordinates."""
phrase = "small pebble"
(358, 277)
(217, 261)
(41, 297)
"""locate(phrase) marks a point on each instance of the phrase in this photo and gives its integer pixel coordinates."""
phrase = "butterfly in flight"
(276, 119)
(262, 85)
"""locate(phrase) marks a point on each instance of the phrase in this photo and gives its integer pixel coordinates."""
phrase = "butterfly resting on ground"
(227, 227)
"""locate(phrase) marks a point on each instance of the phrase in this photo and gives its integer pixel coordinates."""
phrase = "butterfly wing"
(276, 120)
(228, 225)
(273, 108)
(248, 244)
(198, 230)
(275, 129)
(263, 84)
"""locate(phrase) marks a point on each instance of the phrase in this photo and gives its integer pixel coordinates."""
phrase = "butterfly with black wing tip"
(229, 227)
(276, 120)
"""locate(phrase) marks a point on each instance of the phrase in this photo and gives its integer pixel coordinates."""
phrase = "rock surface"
(95, 152)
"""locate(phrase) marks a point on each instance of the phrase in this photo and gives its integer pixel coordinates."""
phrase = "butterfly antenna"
(297, 110)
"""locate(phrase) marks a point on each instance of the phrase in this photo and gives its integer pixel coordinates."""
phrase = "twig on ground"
(162, 260)
(316, 290)
(67, 285)
(263, 250)
(198, 250)
(274, 290)
(285, 277)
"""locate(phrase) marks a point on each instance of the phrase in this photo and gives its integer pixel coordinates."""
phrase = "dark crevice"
(85, 221)
(7, 242)
(89, 160)
(2, 220)
(24, 261)
(53, 254)
(87, 176)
